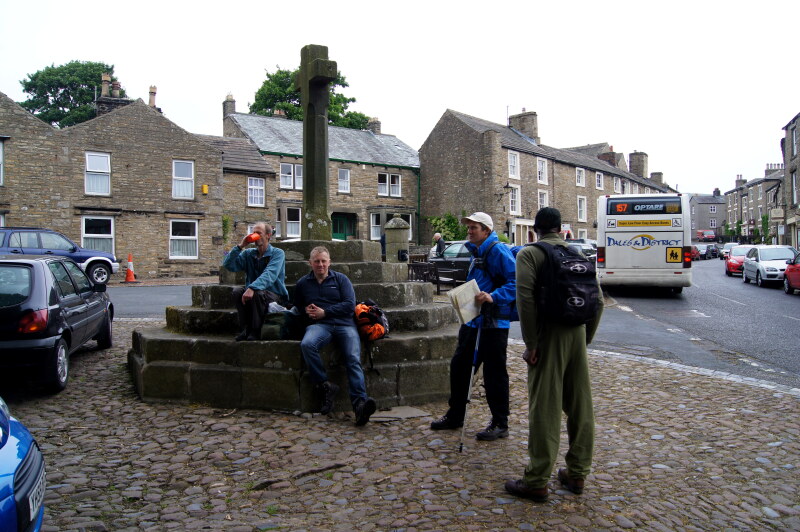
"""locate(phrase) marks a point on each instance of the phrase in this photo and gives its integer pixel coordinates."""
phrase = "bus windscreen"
(634, 206)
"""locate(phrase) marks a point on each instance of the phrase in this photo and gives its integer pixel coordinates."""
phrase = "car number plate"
(37, 496)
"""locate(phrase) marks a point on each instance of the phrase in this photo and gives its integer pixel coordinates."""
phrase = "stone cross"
(315, 74)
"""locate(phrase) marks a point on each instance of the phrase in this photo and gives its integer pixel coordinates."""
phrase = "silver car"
(766, 264)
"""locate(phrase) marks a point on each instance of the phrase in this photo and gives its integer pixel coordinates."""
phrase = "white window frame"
(635, 188)
(278, 224)
(583, 233)
(375, 226)
(513, 165)
(176, 179)
(794, 188)
(291, 177)
(617, 185)
(408, 218)
(2, 220)
(580, 177)
(541, 171)
(712, 209)
(85, 235)
(647, 190)
(598, 180)
(344, 181)
(97, 171)
(392, 185)
(583, 217)
(543, 194)
(760, 192)
(195, 238)
(794, 141)
(712, 223)
(514, 200)
(293, 228)
(256, 191)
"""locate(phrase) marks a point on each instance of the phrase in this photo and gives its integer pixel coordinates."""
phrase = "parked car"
(713, 251)
(726, 249)
(702, 251)
(99, 265)
(766, 264)
(588, 251)
(735, 258)
(48, 309)
(456, 258)
(695, 253)
(589, 241)
(791, 277)
(22, 476)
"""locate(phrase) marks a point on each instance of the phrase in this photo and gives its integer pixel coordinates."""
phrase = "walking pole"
(469, 390)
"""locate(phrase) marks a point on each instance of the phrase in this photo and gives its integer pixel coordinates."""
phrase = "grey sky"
(704, 87)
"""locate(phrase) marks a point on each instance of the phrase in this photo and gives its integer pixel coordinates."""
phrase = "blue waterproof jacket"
(499, 278)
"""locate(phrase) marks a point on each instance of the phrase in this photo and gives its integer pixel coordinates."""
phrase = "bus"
(644, 240)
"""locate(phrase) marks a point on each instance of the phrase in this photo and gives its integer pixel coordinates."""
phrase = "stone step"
(386, 295)
(409, 368)
(357, 272)
(197, 320)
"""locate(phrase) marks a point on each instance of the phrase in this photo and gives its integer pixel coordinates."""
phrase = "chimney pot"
(228, 106)
(106, 79)
(374, 125)
(152, 95)
(115, 89)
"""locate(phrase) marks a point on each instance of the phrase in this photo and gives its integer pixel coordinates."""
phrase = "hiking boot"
(575, 485)
(521, 489)
(329, 390)
(364, 409)
(242, 336)
(447, 422)
(492, 432)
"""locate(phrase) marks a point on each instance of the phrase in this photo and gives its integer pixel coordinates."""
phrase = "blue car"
(22, 476)
(98, 265)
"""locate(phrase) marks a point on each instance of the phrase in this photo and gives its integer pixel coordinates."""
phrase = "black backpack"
(568, 293)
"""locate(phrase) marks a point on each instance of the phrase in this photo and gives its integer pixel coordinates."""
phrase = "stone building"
(371, 176)
(127, 181)
(749, 201)
(708, 212)
(469, 164)
(790, 145)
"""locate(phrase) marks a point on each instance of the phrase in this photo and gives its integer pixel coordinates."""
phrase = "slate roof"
(708, 198)
(284, 136)
(239, 154)
(511, 138)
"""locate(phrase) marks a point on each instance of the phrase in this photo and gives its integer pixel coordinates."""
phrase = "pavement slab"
(677, 448)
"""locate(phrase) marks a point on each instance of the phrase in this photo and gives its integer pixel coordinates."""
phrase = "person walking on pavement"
(493, 269)
(328, 300)
(440, 244)
(558, 376)
(265, 270)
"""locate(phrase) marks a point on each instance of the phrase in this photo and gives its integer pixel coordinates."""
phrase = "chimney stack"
(104, 93)
(374, 125)
(717, 192)
(228, 106)
(279, 113)
(152, 96)
(526, 123)
(658, 177)
(637, 162)
(740, 181)
(115, 89)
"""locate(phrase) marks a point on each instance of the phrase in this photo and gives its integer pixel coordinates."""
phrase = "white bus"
(644, 240)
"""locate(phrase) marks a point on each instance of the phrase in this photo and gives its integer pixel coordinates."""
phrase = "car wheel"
(99, 273)
(744, 276)
(104, 340)
(787, 287)
(728, 272)
(57, 373)
(759, 281)
(677, 290)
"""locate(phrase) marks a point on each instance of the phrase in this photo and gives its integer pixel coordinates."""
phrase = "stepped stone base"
(195, 359)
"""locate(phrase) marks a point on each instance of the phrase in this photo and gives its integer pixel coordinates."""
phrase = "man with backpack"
(493, 269)
(328, 300)
(558, 319)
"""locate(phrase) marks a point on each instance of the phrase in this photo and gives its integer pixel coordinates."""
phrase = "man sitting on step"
(328, 300)
(265, 270)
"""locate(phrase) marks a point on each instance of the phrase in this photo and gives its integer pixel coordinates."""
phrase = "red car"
(695, 253)
(791, 277)
(734, 260)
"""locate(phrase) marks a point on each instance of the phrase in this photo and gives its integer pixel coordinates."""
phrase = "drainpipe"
(419, 205)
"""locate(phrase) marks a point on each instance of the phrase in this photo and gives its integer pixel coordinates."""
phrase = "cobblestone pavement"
(676, 449)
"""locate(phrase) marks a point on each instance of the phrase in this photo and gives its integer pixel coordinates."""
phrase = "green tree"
(279, 93)
(765, 229)
(64, 95)
(738, 228)
(449, 226)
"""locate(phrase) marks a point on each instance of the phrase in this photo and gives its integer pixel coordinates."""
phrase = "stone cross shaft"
(313, 79)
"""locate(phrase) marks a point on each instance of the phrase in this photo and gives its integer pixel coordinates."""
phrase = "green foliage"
(227, 224)
(765, 229)
(279, 93)
(738, 230)
(63, 95)
(449, 226)
(503, 238)
(726, 228)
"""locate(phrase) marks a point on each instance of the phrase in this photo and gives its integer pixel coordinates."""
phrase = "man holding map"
(493, 269)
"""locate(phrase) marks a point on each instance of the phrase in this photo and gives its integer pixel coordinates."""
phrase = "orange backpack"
(371, 321)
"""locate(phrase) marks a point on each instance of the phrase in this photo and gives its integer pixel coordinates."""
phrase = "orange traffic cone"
(129, 275)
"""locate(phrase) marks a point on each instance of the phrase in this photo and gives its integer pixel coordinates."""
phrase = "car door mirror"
(98, 287)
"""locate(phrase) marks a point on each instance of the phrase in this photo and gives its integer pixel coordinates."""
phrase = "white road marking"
(626, 309)
(792, 318)
(731, 300)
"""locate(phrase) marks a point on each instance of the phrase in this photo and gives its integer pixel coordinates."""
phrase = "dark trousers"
(251, 315)
(492, 354)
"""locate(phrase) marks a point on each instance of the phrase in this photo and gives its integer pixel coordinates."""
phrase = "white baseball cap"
(481, 218)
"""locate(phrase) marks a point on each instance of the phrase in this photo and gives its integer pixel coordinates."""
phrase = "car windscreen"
(15, 284)
(739, 251)
(633, 206)
(777, 254)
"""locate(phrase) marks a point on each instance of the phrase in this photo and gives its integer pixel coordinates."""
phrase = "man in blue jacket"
(265, 270)
(327, 298)
(493, 268)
